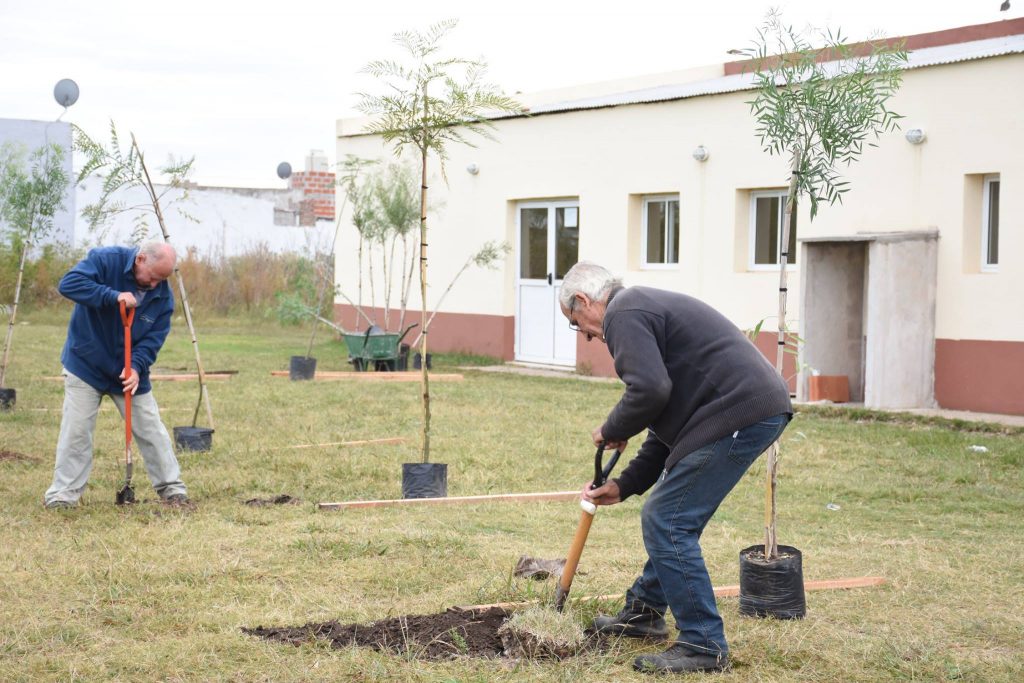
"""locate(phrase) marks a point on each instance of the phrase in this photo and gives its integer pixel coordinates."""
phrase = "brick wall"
(317, 191)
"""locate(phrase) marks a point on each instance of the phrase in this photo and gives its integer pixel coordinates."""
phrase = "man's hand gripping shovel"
(126, 495)
(601, 475)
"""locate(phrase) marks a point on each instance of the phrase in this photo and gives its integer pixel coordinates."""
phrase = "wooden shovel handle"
(572, 560)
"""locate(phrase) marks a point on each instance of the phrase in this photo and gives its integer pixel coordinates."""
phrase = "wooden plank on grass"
(720, 592)
(454, 500)
(377, 376)
(166, 378)
(393, 439)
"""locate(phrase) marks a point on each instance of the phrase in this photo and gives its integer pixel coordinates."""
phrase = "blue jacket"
(94, 350)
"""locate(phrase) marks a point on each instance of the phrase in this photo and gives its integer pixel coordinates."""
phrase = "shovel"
(586, 518)
(126, 495)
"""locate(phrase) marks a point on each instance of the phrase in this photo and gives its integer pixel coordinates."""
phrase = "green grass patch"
(148, 593)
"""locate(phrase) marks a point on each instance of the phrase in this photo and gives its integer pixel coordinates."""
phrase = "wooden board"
(169, 378)
(720, 591)
(377, 376)
(393, 439)
(455, 500)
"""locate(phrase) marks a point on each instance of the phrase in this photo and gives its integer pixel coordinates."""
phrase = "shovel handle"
(601, 474)
(127, 317)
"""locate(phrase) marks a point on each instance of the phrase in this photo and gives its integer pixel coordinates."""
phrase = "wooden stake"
(452, 500)
(720, 592)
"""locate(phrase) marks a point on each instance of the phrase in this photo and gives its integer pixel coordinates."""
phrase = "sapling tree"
(125, 169)
(431, 102)
(349, 169)
(31, 193)
(819, 108)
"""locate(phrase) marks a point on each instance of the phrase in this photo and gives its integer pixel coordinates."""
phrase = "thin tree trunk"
(388, 284)
(323, 280)
(14, 309)
(771, 546)
(204, 395)
(403, 293)
(359, 292)
(424, 149)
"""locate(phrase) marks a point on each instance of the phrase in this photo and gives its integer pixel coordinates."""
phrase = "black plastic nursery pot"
(8, 398)
(403, 358)
(301, 367)
(193, 438)
(424, 480)
(772, 588)
(417, 361)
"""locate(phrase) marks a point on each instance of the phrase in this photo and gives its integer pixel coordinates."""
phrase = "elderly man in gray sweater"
(711, 404)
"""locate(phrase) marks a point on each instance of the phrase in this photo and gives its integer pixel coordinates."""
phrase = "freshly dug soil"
(446, 635)
(16, 457)
(283, 499)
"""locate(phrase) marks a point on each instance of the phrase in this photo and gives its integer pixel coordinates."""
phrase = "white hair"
(589, 279)
(157, 251)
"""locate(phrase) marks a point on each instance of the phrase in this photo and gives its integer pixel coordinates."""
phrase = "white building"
(910, 287)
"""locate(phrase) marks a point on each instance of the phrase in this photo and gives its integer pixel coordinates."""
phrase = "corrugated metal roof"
(931, 56)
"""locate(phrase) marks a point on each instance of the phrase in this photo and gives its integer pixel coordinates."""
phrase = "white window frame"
(752, 235)
(648, 199)
(986, 184)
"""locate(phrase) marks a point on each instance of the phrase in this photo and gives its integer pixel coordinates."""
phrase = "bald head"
(153, 264)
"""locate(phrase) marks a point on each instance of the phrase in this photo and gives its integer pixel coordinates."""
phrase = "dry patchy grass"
(148, 593)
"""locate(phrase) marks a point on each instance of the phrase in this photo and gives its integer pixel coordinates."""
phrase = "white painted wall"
(971, 112)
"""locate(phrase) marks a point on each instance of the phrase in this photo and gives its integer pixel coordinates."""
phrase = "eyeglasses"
(572, 323)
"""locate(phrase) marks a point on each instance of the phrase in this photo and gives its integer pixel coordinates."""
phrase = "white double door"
(548, 234)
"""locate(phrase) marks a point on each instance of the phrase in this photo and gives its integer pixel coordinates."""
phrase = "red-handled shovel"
(586, 518)
(126, 495)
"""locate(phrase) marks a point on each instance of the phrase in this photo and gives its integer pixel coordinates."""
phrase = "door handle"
(549, 278)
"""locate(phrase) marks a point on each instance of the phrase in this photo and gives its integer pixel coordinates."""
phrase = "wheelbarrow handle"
(406, 332)
(601, 473)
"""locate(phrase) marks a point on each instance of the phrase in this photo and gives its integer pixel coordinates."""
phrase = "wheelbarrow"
(375, 349)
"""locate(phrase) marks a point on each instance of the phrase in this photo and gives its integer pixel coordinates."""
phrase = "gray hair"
(157, 251)
(589, 279)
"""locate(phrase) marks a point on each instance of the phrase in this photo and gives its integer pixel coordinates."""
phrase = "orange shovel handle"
(127, 317)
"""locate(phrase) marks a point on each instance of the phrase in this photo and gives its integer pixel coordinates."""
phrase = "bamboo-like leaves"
(828, 102)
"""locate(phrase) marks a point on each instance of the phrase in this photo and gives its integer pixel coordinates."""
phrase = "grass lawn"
(148, 593)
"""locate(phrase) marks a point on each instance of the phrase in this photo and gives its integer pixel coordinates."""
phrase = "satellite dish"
(65, 92)
(284, 170)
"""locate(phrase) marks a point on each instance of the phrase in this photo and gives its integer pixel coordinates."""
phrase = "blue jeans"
(674, 517)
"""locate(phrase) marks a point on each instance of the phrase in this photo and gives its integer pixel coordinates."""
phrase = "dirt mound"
(15, 457)
(445, 635)
(283, 499)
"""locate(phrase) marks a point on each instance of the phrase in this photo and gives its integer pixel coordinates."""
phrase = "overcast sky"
(245, 85)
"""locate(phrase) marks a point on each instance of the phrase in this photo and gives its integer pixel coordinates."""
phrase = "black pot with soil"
(301, 367)
(424, 480)
(772, 588)
(417, 361)
(193, 438)
(8, 398)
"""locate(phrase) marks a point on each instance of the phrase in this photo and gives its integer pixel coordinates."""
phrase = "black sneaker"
(680, 659)
(633, 623)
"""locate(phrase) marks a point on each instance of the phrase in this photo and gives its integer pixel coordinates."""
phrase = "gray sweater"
(691, 378)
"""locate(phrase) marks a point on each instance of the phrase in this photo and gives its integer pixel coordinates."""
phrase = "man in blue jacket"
(711, 404)
(93, 360)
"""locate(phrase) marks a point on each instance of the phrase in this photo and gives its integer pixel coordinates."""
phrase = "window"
(990, 224)
(767, 210)
(661, 230)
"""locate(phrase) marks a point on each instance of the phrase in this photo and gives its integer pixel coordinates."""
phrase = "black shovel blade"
(126, 496)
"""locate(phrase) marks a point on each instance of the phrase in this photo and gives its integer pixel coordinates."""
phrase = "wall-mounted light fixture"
(701, 154)
(473, 168)
(916, 136)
